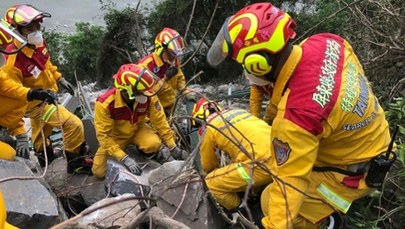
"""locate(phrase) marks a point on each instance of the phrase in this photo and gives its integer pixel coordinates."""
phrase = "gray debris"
(29, 204)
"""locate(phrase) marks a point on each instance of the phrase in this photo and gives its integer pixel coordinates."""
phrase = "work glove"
(43, 95)
(131, 165)
(64, 83)
(22, 146)
(171, 71)
(178, 153)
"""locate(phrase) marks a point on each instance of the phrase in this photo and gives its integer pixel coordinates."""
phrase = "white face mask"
(141, 99)
(35, 38)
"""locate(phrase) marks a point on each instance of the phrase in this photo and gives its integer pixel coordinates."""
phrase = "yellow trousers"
(73, 130)
(224, 183)
(7, 152)
(11, 113)
(3, 215)
(315, 210)
(145, 138)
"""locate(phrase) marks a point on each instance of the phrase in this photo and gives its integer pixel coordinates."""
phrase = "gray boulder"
(29, 203)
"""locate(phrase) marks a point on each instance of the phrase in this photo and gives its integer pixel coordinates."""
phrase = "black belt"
(361, 171)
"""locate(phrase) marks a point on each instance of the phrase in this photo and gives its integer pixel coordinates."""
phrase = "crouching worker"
(245, 138)
(121, 118)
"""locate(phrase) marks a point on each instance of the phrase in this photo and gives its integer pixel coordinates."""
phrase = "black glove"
(64, 83)
(171, 71)
(43, 95)
(22, 147)
(178, 153)
(131, 165)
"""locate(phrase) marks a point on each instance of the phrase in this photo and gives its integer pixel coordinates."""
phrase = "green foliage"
(119, 43)
(81, 52)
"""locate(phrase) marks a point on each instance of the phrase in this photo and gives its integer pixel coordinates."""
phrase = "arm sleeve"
(299, 147)
(104, 124)
(54, 70)
(209, 160)
(11, 85)
(181, 81)
(255, 100)
(158, 120)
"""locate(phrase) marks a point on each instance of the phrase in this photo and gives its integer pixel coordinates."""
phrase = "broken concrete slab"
(29, 203)
(116, 212)
(120, 181)
(181, 195)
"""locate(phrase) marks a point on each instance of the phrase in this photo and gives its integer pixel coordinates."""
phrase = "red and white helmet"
(169, 39)
(23, 15)
(257, 28)
(135, 79)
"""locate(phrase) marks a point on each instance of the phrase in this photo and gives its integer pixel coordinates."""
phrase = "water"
(65, 13)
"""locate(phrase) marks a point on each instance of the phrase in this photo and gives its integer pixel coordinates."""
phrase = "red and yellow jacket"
(13, 98)
(327, 115)
(33, 69)
(240, 130)
(113, 119)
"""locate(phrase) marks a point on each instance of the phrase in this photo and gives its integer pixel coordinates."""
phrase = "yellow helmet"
(169, 39)
(202, 109)
(135, 79)
(252, 37)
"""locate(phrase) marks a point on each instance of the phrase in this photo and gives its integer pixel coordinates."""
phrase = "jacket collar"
(119, 101)
(158, 60)
(285, 74)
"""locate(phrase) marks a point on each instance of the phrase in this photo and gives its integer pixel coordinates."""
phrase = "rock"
(109, 213)
(181, 199)
(29, 203)
(120, 181)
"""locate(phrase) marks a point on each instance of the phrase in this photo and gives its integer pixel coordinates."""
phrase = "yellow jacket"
(253, 140)
(33, 68)
(13, 98)
(327, 115)
(114, 120)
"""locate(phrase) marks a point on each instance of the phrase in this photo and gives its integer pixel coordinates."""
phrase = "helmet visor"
(176, 46)
(147, 84)
(8, 34)
(221, 48)
(25, 14)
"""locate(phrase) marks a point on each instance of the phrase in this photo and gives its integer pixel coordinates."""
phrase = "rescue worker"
(259, 90)
(231, 132)
(164, 62)
(328, 125)
(121, 118)
(33, 68)
(3, 215)
(13, 97)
